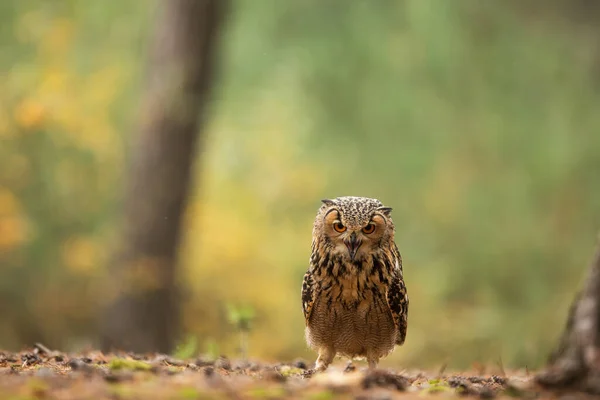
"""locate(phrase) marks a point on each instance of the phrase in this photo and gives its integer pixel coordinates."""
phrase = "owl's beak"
(352, 243)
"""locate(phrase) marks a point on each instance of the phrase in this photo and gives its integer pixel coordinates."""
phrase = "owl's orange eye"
(339, 227)
(369, 229)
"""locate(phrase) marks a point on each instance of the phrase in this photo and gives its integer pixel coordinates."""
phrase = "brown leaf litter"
(40, 373)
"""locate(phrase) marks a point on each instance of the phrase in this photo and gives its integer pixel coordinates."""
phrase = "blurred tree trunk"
(576, 361)
(143, 312)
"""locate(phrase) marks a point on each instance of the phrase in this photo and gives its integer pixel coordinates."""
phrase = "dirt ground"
(39, 373)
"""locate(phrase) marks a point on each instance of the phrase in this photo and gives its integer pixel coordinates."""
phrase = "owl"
(353, 295)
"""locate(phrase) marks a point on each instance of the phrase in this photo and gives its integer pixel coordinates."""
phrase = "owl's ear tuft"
(385, 210)
(328, 202)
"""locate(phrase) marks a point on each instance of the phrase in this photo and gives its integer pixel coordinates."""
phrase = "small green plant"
(117, 364)
(241, 318)
(288, 371)
(436, 386)
(211, 348)
(187, 348)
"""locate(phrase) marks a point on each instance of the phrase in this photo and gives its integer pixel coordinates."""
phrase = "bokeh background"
(478, 122)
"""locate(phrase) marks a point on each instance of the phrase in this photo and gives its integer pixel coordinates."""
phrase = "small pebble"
(385, 380)
(254, 367)
(203, 362)
(350, 367)
(78, 365)
(300, 363)
(30, 359)
(224, 363)
(240, 365)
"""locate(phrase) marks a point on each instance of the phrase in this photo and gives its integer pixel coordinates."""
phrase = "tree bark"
(576, 362)
(142, 314)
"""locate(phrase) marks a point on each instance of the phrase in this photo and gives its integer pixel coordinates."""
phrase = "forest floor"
(39, 373)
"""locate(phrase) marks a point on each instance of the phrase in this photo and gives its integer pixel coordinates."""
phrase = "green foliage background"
(476, 121)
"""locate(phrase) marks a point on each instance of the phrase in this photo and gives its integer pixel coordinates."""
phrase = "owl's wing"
(308, 298)
(397, 300)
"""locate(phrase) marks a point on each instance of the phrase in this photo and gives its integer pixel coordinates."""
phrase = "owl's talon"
(350, 367)
(320, 368)
(308, 373)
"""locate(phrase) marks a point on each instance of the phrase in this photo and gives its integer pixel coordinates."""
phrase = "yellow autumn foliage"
(13, 226)
(82, 255)
(30, 114)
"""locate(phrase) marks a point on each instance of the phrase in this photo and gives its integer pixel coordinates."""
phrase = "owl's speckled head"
(353, 226)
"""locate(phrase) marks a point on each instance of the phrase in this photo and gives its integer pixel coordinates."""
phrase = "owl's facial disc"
(353, 237)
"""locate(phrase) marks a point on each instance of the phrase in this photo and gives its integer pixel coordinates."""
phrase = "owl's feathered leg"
(373, 361)
(325, 358)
